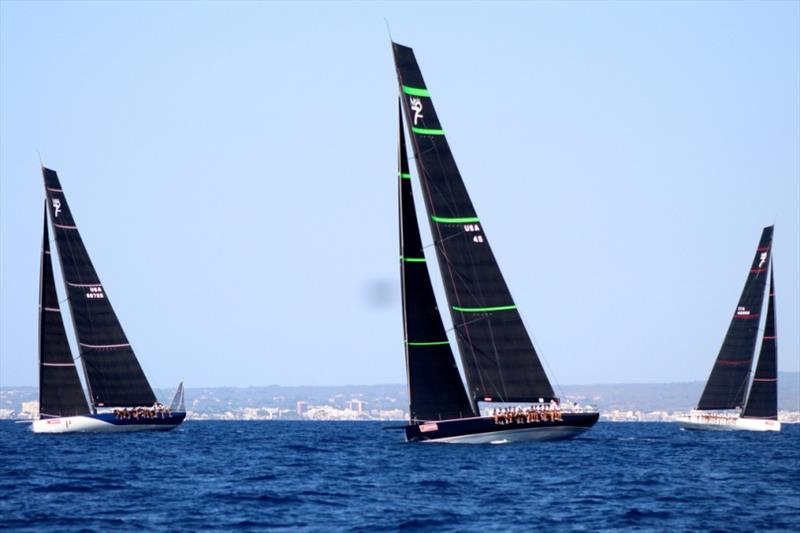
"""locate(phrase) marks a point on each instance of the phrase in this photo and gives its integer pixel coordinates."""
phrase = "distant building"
(302, 407)
(356, 405)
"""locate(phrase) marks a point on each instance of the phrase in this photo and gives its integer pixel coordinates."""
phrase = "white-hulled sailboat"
(120, 397)
(726, 404)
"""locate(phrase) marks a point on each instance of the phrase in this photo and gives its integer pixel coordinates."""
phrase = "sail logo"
(95, 293)
(416, 107)
(56, 207)
(742, 311)
(763, 259)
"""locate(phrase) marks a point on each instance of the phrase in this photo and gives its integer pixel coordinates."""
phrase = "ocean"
(355, 476)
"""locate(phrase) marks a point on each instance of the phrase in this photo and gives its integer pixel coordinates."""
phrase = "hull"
(105, 423)
(709, 422)
(484, 430)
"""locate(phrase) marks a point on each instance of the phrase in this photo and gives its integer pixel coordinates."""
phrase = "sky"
(232, 168)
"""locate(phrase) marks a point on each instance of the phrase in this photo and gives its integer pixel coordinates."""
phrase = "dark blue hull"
(483, 430)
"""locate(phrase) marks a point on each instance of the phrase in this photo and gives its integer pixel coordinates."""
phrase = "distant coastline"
(654, 402)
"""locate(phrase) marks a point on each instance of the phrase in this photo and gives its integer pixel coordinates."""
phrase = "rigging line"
(455, 330)
(541, 356)
(440, 241)
(477, 352)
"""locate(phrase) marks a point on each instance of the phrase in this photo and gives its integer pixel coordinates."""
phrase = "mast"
(113, 374)
(727, 383)
(435, 389)
(60, 391)
(763, 399)
(499, 359)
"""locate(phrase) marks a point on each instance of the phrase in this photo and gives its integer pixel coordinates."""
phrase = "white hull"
(711, 422)
(516, 435)
(86, 424)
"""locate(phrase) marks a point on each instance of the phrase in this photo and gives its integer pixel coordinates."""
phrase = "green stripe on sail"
(436, 343)
(426, 131)
(415, 91)
(456, 220)
(413, 259)
(484, 309)
(404, 176)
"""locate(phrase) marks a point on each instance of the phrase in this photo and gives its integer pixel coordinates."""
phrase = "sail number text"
(472, 228)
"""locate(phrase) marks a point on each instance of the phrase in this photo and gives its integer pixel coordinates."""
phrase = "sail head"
(727, 384)
(498, 357)
(114, 376)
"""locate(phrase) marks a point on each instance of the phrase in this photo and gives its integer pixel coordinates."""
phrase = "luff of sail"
(436, 391)
(60, 391)
(499, 359)
(114, 376)
(763, 399)
(727, 383)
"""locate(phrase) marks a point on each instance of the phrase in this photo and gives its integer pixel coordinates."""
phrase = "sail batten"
(499, 360)
(60, 390)
(113, 374)
(727, 384)
(436, 391)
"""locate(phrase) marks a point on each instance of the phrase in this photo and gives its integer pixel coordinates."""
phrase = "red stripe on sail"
(729, 362)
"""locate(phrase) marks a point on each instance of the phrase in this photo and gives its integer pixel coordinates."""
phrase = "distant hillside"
(669, 396)
(625, 397)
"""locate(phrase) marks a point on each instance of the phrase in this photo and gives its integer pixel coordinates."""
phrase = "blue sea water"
(354, 476)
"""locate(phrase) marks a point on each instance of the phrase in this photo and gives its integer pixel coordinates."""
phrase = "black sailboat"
(725, 403)
(120, 397)
(499, 361)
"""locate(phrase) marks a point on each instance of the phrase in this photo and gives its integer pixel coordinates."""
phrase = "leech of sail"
(484, 309)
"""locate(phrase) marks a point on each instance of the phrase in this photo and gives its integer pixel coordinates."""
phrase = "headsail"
(435, 388)
(113, 373)
(763, 399)
(60, 391)
(499, 359)
(727, 384)
(177, 404)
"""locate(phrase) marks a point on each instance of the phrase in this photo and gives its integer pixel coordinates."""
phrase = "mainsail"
(114, 376)
(435, 387)
(763, 399)
(60, 391)
(499, 359)
(727, 384)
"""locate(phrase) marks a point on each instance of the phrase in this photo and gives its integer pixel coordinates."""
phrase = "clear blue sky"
(232, 168)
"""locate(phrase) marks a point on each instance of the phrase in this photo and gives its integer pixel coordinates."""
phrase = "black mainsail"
(763, 399)
(727, 385)
(500, 362)
(60, 391)
(436, 391)
(114, 376)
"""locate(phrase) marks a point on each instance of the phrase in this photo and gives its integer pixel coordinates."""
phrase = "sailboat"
(120, 397)
(500, 364)
(725, 404)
